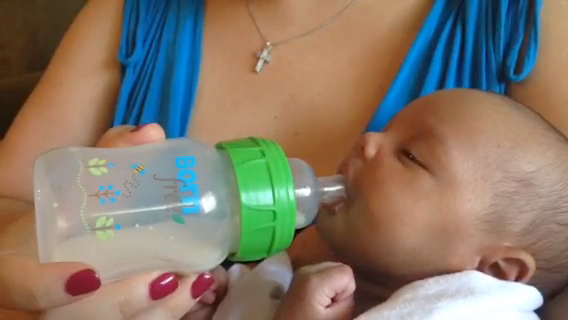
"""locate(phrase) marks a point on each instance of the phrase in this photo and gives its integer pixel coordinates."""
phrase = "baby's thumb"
(128, 136)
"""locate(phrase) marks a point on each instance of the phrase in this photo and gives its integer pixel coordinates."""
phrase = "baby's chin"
(331, 237)
(371, 286)
(326, 226)
(331, 222)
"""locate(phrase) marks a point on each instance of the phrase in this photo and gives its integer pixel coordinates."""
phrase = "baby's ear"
(510, 264)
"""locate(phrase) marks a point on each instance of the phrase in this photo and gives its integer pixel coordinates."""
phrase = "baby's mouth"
(337, 204)
(346, 169)
(333, 192)
(334, 207)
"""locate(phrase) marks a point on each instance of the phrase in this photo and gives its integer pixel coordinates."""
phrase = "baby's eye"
(408, 155)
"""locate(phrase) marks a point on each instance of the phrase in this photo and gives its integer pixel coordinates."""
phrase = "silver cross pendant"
(264, 57)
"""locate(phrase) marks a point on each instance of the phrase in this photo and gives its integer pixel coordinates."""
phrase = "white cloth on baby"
(255, 295)
(464, 295)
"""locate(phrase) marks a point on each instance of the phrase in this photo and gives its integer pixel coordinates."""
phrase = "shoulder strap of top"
(160, 53)
(481, 45)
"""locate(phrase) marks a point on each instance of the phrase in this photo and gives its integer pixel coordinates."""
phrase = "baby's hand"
(322, 291)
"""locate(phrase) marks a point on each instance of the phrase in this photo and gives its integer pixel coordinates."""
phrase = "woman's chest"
(317, 94)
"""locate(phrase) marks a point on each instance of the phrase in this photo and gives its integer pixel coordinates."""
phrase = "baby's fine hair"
(532, 202)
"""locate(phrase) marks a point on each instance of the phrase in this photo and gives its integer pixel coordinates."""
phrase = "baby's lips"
(334, 206)
(344, 168)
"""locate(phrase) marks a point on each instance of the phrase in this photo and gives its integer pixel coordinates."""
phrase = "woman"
(332, 62)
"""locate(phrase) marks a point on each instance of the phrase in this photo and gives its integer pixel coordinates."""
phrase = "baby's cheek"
(387, 231)
(309, 248)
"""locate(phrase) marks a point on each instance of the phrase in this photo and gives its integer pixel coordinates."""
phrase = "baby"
(459, 180)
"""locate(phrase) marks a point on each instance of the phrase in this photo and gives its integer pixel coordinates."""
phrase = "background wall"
(30, 30)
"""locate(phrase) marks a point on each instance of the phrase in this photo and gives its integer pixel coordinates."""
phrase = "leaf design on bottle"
(93, 162)
(97, 167)
(103, 227)
(95, 171)
(105, 234)
(178, 219)
(100, 222)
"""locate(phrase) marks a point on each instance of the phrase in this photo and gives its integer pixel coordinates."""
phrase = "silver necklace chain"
(265, 55)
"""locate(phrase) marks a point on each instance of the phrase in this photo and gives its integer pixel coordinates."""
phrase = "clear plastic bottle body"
(165, 206)
(175, 205)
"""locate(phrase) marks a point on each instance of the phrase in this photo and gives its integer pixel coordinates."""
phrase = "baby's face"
(415, 191)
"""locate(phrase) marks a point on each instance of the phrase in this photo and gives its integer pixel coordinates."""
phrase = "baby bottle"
(178, 205)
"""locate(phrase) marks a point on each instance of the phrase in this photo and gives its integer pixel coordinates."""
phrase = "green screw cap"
(267, 197)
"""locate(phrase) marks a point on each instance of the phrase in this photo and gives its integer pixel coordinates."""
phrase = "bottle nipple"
(312, 192)
(331, 189)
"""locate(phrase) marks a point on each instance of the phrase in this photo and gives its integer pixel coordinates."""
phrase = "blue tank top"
(478, 44)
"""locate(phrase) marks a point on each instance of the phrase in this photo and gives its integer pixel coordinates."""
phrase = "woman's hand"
(146, 296)
(74, 291)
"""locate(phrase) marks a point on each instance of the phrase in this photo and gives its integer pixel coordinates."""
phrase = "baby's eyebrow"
(438, 143)
(431, 131)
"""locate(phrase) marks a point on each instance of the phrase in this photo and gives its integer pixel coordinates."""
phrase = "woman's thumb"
(128, 136)
(29, 286)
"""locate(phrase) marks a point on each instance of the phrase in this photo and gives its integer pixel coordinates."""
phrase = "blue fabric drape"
(478, 44)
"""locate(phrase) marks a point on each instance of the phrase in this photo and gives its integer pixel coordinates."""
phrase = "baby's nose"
(370, 144)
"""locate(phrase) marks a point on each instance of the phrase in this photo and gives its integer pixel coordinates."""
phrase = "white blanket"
(255, 295)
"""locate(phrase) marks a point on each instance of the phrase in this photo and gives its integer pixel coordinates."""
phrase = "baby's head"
(459, 180)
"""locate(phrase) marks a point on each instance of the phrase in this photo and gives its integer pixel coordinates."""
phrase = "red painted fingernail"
(163, 286)
(203, 283)
(139, 127)
(82, 282)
